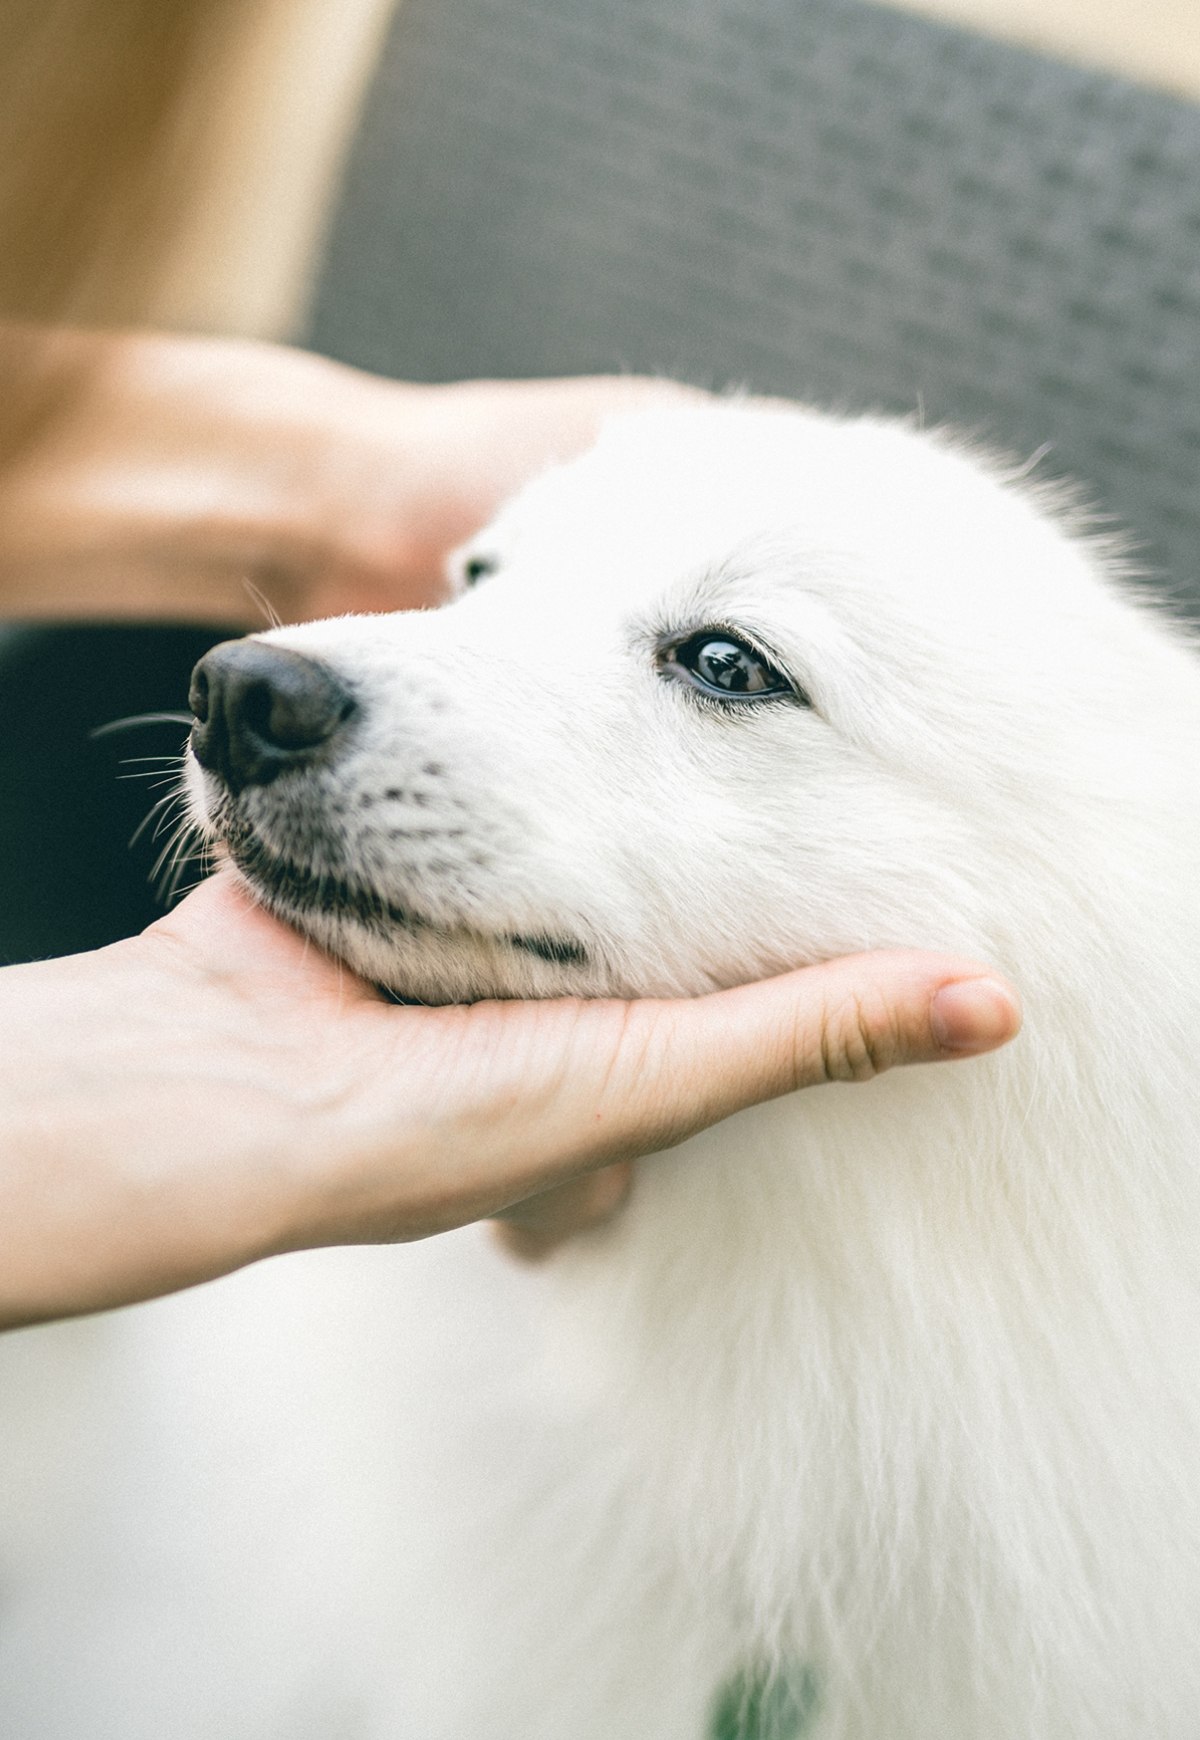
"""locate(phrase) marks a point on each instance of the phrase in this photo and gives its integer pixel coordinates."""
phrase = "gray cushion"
(813, 197)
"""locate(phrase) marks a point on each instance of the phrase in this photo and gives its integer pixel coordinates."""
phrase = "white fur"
(896, 1380)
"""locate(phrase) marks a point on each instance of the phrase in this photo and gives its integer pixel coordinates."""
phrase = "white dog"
(876, 1416)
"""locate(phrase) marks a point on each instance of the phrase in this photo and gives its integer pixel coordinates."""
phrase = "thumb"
(670, 1068)
(545, 1091)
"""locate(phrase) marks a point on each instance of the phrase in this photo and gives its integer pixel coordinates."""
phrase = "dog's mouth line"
(303, 890)
(297, 889)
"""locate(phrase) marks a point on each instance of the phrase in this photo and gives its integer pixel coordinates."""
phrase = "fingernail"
(974, 1015)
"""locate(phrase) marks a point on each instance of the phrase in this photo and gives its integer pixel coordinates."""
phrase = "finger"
(544, 1091)
(534, 1228)
(658, 1071)
(845, 1020)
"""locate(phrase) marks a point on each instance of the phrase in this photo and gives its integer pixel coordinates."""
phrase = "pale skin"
(215, 1090)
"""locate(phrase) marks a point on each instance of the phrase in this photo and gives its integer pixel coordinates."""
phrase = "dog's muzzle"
(262, 710)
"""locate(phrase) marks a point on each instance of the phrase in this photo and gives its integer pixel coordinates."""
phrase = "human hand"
(196, 478)
(215, 1091)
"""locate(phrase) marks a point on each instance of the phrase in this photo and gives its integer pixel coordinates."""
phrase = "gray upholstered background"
(816, 197)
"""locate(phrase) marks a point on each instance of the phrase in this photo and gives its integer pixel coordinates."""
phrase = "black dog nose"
(260, 709)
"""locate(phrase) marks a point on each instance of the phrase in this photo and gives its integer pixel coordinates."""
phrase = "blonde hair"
(105, 119)
(102, 127)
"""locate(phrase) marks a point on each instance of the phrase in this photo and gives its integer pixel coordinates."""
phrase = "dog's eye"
(714, 662)
(477, 568)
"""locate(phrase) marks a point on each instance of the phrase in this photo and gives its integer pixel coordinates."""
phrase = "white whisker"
(134, 719)
(264, 603)
(160, 808)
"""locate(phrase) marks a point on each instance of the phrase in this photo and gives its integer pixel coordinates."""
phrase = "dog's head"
(741, 688)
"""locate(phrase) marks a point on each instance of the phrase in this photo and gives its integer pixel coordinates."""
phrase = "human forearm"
(184, 477)
(184, 468)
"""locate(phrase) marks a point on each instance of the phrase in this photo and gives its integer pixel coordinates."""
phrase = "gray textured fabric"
(812, 197)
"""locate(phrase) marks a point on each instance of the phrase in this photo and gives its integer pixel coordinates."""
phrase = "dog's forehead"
(663, 504)
(693, 481)
(803, 500)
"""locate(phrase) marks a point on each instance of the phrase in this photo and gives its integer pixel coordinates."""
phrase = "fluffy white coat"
(896, 1381)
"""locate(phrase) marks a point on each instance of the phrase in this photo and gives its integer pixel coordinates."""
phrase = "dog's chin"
(419, 962)
(406, 951)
